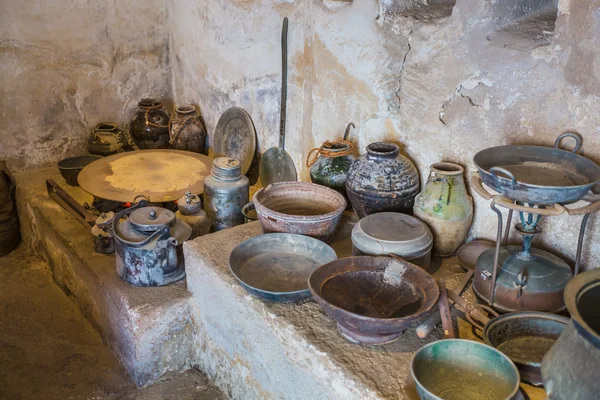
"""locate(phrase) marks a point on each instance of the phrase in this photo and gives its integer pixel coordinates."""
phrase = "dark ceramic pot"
(332, 171)
(106, 139)
(149, 126)
(382, 180)
(186, 130)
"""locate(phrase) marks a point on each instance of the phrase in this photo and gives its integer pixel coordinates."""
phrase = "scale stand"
(529, 215)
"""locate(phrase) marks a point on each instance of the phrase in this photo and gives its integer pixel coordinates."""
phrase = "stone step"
(149, 329)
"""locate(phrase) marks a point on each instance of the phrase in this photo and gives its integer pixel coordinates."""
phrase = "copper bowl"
(298, 207)
(373, 299)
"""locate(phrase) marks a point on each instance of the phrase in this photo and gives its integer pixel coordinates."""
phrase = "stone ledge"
(255, 349)
(150, 329)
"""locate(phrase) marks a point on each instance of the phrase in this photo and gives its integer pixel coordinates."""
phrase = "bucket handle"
(571, 135)
(472, 307)
(248, 207)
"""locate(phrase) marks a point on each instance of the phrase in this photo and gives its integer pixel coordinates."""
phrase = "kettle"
(148, 245)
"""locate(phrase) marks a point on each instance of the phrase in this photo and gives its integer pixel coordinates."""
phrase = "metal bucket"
(458, 369)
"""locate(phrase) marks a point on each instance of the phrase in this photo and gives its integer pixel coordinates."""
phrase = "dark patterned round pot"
(382, 180)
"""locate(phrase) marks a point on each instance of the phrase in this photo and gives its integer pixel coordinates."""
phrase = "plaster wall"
(67, 65)
(442, 85)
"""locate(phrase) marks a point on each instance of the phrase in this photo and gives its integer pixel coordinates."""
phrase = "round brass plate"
(158, 175)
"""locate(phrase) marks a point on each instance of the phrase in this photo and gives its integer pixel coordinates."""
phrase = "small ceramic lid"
(151, 219)
(390, 232)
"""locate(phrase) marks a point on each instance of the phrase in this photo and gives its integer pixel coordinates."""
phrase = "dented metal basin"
(373, 299)
(301, 208)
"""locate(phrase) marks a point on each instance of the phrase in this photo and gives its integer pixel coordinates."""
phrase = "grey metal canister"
(226, 192)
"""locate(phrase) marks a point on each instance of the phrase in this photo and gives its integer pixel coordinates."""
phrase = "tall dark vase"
(382, 180)
(149, 126)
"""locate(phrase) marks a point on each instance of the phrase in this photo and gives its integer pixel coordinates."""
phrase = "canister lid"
(189, 204)
(151, 219)
(390, 232)
(226, 168)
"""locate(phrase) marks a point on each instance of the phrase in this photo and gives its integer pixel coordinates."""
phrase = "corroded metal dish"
(157, 175)
(525, 337)
(299, 207)
(459, 369)
(373, 299)
(538, 174)
(276, 266)
(235, 137)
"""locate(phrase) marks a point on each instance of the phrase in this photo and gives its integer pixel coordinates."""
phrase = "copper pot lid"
(158, 175)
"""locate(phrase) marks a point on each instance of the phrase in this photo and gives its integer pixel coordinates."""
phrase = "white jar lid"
(390, 232)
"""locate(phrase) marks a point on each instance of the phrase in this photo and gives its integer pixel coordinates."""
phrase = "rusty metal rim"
(261, 209)
(317, 293)
(573, 291)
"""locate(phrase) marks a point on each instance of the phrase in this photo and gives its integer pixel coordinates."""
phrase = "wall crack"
(402, 67)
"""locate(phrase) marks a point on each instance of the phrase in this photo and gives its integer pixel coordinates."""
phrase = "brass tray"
(158, 175)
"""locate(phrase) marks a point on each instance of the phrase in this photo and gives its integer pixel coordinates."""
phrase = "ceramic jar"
(149, 126)
(226, 192)
(382, 180)
(106, 139)
(332, 165)
(445, 207)
(186, 130)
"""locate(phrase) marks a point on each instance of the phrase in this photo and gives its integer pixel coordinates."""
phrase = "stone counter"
(255, 349)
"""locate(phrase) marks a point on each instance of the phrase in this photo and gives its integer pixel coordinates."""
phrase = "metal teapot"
(148, 245)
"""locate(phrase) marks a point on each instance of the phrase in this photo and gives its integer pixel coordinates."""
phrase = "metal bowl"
(458, 369)
(525, 337)
(299, 207)
(373, 299)
(71, 167)
(276, 266)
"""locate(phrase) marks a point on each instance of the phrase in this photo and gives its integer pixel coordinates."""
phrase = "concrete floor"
(48, 350)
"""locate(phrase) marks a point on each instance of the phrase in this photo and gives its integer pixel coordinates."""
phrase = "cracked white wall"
(444, 88)
(67, 65)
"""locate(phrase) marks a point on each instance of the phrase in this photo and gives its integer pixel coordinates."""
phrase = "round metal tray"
(157, 175)
(276, 266)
